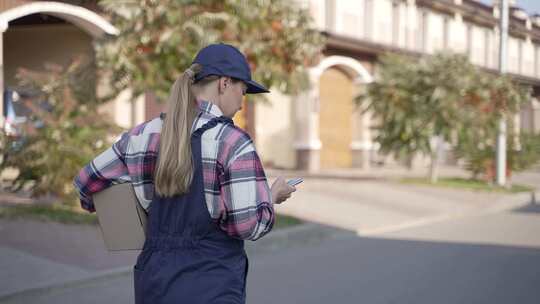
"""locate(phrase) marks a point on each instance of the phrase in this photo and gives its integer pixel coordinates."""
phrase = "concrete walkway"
(376, 206)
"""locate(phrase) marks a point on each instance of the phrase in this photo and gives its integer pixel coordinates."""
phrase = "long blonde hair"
(174, 169)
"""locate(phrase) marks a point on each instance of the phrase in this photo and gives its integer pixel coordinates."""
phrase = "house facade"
(320, 128)
(34, 33)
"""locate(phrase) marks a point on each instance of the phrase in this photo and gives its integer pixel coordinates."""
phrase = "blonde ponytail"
(174, 169)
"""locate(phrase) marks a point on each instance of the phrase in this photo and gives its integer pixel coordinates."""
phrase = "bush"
(60, 138)
(498, 97)
(480, 159)
(527, 154)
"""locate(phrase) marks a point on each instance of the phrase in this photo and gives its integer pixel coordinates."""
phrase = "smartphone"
(295, 181)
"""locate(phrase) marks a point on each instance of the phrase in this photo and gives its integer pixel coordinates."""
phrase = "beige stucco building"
(320, 128)
(34, 33)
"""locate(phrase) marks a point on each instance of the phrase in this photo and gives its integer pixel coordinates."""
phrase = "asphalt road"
(491, 259)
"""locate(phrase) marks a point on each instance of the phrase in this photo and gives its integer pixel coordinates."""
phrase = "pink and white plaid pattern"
(236, 189)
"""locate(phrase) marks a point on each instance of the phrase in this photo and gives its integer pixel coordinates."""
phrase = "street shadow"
(379, 270)
(532, 207)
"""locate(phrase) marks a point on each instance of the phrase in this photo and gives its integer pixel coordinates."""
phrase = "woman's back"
(235, 186)
(185, 255)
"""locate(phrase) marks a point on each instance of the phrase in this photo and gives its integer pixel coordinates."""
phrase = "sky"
(530, 6)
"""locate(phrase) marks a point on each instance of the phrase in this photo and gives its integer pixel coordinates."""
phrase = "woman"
(201, 181)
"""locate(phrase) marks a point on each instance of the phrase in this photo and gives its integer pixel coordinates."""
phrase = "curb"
(45, 288)
(512, 202)
(279, 237)
(325, 175)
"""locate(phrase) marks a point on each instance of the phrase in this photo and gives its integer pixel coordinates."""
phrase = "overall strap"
(212, 123)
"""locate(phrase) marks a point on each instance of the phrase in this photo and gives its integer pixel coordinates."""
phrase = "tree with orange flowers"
(423, 104)
(158, 40)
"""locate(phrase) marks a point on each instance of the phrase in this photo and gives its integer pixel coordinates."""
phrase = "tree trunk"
(433, 169)
(435, 158)
(409, 162)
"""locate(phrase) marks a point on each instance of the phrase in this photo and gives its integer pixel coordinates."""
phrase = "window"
(512, 55)
(536, 60)
(446, 32)
(368, 19)
(349, 16)
(495, 49)
(469, 48)
(487, 47)
(317, 10)
(520, 57)
(422, 37)
(528, 52)
(330, 15)
(395, 23)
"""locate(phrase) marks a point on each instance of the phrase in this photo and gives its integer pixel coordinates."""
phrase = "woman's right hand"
(281, 191)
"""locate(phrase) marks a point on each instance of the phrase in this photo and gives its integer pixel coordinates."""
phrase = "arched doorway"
(45, 31)
(332, 130)
(335, 118)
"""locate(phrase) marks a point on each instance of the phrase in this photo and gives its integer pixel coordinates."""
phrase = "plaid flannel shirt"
(237, 194)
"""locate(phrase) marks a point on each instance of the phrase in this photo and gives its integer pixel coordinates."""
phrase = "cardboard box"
(122, 219)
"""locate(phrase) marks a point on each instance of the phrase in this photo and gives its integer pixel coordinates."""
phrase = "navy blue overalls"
(186, 258)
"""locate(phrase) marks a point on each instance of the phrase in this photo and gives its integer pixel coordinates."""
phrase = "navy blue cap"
(225, 60)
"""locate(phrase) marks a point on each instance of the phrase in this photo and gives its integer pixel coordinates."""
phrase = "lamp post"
(501, 136)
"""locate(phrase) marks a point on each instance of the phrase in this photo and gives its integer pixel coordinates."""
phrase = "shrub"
(64, 130)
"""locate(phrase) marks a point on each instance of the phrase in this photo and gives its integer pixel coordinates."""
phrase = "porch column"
(362, 144)
(307, 142)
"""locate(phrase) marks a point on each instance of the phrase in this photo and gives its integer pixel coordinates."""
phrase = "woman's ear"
(222, 84)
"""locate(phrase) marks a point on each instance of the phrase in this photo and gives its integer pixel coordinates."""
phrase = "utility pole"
(501, 136)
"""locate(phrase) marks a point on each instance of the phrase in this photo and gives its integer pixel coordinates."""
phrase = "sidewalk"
(372, 201)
